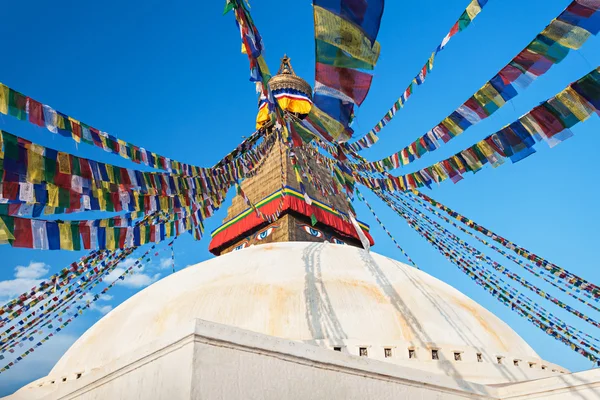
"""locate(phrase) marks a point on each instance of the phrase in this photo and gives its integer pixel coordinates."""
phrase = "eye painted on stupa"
(241, 246)
(312, 231)
(337, 241)
(266, 233)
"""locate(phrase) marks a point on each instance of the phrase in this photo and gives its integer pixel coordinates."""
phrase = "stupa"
(296, 308)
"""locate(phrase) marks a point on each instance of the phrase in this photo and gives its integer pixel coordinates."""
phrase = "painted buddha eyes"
(241, 246)
(312, 231)
(266, 233)
(337, 241)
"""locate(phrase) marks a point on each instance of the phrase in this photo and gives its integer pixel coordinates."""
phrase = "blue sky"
(169, 76)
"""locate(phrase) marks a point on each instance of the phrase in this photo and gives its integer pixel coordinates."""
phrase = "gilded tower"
(274, 189)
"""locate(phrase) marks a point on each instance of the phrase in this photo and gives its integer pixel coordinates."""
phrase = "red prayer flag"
(454, 29)
(122, 237)
(23, 234)
(10, 190)
(353, 83)
(36, 113)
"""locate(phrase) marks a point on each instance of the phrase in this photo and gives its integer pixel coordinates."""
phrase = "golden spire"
(286, 78)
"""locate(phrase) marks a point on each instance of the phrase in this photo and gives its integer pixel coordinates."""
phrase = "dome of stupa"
(286, 78)
(334, 296)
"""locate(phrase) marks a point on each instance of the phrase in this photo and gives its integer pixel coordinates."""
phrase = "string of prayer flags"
(27, 325)
(548, 122)
(553, 269)
(42, 181)
(79, 309)
(469, 251)
(25, 161)
(345, 42)
(487, 281)
(361, 198)
(26, 108)
(88, 235)
(468, 15)
(252, 46)
(48, 286)
(553, 280)
(569, 31)
(498, 267)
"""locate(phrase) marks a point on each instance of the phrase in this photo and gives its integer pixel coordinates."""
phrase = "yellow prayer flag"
(440, 171)
(338, 32)
(164, 203)
(430, 61)
(110, 172)
(452, 126)
(491, 93)
(110, 239)
(122, 148)
(66, 236)
(575, 103)
(333, 127)
(3, 99)
(64, 163)
(52, 194)
(60, 121)
(489, 153)
(568, 35)
(459, 163)
(101, 200)
(473, 9)
(142, 234)
(136, 197)
(5, 234)
(35, 164)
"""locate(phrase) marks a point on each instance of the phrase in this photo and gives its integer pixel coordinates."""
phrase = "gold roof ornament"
(286, 78)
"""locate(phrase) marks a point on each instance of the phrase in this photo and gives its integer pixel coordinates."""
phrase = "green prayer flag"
(17, 104)
(64, 197)
(313, 219)
(228, 6)
(464, 21)
(11, 147)
(76, 237)
(76, 166)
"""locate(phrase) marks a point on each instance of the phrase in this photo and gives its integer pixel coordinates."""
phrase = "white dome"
(319, 293)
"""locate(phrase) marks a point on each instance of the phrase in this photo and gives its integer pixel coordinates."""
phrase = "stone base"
(211, 361)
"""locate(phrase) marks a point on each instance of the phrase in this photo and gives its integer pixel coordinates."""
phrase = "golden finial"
(286, 66)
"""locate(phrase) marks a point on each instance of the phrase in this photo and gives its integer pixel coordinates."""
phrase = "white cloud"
(34, 270)
(139, 280)
(15, 287)
(96, 305)
(26, 277)
(128, 262)
(135, 281)
(166, 263)
(103, 309)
